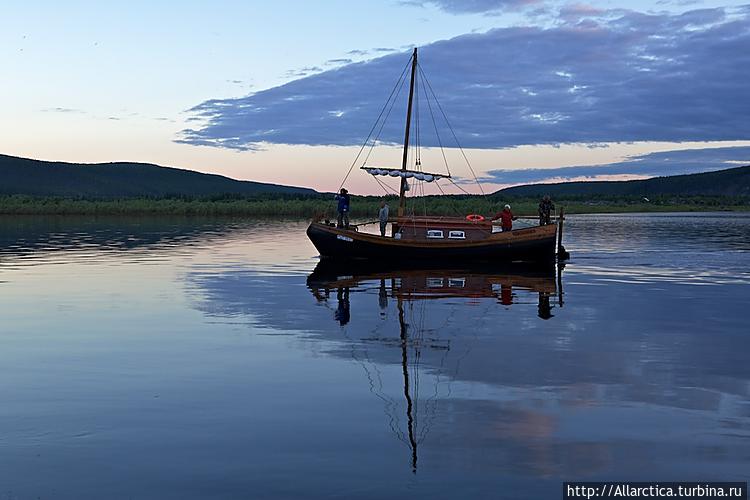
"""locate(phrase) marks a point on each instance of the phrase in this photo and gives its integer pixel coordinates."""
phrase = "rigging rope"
(453, 132)
(459, 187)
(451, 201)
(403, 72)
(434, 124)
(384, 186)
(415, 152)
(382, 125)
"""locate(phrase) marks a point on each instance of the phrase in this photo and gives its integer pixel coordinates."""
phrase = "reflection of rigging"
(411, 290)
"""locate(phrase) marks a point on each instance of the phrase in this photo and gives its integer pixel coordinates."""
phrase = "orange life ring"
(474, 218)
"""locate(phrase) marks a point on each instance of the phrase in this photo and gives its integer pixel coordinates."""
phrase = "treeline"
(121, 180)
(728, 182)
(362, 206)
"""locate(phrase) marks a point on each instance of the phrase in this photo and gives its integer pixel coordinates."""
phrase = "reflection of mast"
(404, 364)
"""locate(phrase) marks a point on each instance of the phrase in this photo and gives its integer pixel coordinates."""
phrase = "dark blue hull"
(524, 245)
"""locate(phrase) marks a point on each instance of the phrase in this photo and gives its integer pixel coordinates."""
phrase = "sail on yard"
(422, 237)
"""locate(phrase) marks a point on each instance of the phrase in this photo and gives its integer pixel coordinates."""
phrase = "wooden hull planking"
(535, 244)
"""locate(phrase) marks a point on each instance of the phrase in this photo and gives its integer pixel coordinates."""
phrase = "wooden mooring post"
(562, 254)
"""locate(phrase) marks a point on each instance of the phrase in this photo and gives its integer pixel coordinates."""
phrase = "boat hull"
(536, 244)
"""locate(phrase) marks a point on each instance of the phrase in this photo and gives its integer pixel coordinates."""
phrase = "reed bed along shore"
(364, 206)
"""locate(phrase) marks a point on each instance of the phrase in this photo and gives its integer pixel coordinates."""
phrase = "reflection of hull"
(432, 281)
(535, 244)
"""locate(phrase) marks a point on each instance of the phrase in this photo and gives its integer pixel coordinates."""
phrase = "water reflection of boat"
(439, 283)
(408, 286)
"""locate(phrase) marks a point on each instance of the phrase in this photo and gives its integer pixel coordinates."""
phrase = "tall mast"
(402, 191)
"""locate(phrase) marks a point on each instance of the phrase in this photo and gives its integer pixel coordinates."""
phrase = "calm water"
(193, 359)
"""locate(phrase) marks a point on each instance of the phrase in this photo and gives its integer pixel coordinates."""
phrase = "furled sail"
(406, 174)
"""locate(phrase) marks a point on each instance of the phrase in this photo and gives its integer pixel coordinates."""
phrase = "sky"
(287, 91)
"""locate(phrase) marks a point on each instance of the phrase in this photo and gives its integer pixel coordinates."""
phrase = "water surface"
(157, 358)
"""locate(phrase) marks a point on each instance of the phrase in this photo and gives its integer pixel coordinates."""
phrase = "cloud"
(339, 61)
(63, 110)
(299, 73)
(594, 77)
(686, 161)
(359, 53)
(475, 6)
(575, 12)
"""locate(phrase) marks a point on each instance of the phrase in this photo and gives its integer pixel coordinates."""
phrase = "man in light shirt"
(383, 216)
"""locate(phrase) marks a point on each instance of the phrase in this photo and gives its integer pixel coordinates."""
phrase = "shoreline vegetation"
(35, 187)
(362, 206)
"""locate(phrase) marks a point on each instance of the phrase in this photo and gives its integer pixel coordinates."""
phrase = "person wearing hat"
(506, 218)
(343, 208)
(546, 207)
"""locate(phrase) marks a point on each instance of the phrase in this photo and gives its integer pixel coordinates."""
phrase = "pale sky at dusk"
(285, 91)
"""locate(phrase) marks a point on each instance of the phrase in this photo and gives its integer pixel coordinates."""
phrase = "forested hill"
(729, 182)
(121, 180)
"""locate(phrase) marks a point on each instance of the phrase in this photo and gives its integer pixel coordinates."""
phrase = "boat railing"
(527, 221)
(534, 217)
(367, 223)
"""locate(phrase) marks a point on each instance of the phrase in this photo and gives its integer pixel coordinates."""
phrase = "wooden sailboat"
(432, 237)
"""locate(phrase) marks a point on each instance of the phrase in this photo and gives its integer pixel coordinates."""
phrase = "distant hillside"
(120, 180)
(729, 182)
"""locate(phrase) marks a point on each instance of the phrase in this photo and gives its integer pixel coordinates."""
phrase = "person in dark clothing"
(342, 314)
(382, 297)
(506, 218)
(544, 310)
(546, 207)
(343, 208)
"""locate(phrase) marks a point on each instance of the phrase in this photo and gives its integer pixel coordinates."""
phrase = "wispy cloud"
(63, 110)
(339, 61)
(474, 6)
(685, 161)
(594, 77)
(302, 72)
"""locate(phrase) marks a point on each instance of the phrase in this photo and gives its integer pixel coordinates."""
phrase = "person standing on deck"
(383, 217)
(343, 209)
(546, 207)
(506, 218)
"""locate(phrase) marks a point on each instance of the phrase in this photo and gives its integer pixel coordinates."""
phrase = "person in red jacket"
(506, 218)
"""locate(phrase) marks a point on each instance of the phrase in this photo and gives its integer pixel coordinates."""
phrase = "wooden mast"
(402, 191)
